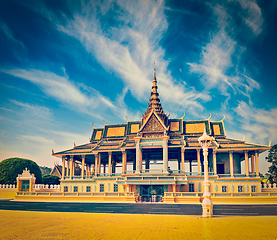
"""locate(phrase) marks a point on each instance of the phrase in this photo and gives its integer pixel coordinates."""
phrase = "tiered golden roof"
(154, 103)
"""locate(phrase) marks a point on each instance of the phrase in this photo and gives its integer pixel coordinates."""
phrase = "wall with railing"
(268, 187)
(149, 171)
(221, 198)
(46, 186)
(7, 186)
(7, 191)
(78, 194)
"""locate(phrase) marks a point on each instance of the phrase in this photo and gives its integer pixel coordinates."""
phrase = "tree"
(45, 170)
(11, 167)
(272, 158)
(50, 179)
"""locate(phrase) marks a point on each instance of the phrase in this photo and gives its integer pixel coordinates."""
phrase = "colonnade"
(94, 169)
(91, 169)
(254, 162)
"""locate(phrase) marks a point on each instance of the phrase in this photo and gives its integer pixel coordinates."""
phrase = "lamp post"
(207, 205)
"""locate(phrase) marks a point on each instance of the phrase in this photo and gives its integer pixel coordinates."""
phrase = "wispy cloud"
(253, 18)
(220, 65)
(33, 111)
(9, 35)
(129, 46)
(63, 90)
(54, 85)
(259, 123)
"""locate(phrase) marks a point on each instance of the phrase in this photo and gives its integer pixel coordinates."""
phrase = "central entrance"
(151, 193)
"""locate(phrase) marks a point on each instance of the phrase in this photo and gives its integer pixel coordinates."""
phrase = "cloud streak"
(254, 18)
(130, 47)
(9, 34)
(220, 66)
(260, 123)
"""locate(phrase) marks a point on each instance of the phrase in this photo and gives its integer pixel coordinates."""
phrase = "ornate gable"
(153, 127)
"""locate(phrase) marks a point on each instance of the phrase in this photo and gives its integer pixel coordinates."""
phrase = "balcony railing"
(173, 172)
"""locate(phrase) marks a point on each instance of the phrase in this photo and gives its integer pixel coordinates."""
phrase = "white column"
(231, 163)
(110, 163)
(123, 161)
(207, 205)
(63, 170)
(73, 169)
(71, 166)
(214, 161)
(246, 163)
(96, 164)
(198, 160)
(257, 162)
(252, 164)
(183, 159)
(67, 170)
(207, 202)
(140, 159)
(83, 165)
(137, 157)
(165, 155)
(99, 163)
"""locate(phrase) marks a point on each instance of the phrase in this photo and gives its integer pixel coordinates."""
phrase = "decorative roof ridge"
(123, 141)
(238, 140)
(209, 118)
(118, 124)
(248, 143)
(257, 145)
(142, 126)
(196, 120)
(97, 144)
(86, 144)
(57, 167)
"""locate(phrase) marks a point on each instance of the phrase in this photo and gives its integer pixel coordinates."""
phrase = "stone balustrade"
(269, 186)
(46, 186)
(9, 186)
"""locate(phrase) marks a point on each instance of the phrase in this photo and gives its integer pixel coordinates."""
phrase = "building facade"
(159, 159)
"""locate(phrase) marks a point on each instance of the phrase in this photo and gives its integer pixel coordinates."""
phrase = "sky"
(67, 64)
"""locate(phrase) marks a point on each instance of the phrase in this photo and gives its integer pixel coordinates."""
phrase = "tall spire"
(154, 102)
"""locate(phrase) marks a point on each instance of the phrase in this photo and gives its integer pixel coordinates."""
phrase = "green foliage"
(272, 158)
(50, 179)
(11, 167)
(45, 170)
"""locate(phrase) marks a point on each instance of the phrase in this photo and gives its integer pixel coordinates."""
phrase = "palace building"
(159, 159)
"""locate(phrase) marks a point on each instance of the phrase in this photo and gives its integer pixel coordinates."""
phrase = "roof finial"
(154, 78)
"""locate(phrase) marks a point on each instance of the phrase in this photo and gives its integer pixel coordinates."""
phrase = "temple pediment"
(153, 125)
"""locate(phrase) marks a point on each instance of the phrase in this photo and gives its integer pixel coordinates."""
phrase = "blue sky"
(66, 64)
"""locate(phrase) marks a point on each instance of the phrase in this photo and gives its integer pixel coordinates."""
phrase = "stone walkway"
(56, 225)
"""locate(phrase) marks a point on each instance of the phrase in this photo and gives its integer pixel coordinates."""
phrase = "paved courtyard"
(56, 225)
